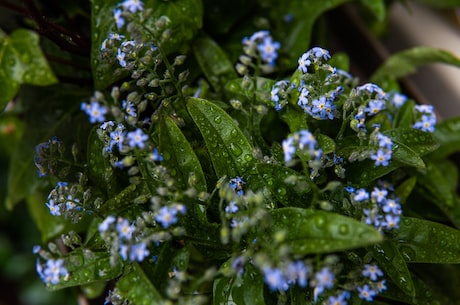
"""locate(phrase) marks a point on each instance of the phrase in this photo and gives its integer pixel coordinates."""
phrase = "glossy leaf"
(100, 171)
(244, 289)
(213, 62)
(314, 231)
(118, 202)
(433, 181)
(185, 18)
(86, 266)
(21, 62)
(179, 156)
(394, 266)
(418, 141)
(406, 62)
(285, 184)
(405, 189)
(136, 287)
(230, 151)
(423, 241)
(447, 134)
(404, 117)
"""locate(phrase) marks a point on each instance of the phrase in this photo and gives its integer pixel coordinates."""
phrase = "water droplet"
(343, 229)
(218, 119)
(166, 155)
(320, 221)
(407, 221)
(235, 149)
(282, 191)
(234, 133)
(408, 253)
(270, 182)
(248, 158)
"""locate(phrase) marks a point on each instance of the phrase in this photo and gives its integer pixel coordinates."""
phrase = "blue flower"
(392, 206)
(156, 156)
(296, 272)
(54, 269)
(374, 107)
(324, 279)
(379, 195)
(166, 216)
(95, 111)
(398, 99)
(275, 280)
(381, 157)
(117, 137)
(372, 88)
(129, 108)
(361, 195)
(137, 138)
(55, 209)
(133, 5)
(384, 141)
(267, 50)
(124, 228)
(304, 62)
(320, 53)
(289, 149)
(391, 221)
(322, 109)
(426, 124)
(121, 58)
(104, 226)
(306, 139)
(425, 109)
(138, 252)
(232, 207)
(373, 272)
(366, 293)
(123, 250)
(381, 286)
(237, 184)
(119, 20)
(303, 99)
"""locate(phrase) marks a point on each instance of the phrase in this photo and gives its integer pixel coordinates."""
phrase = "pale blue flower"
(133, 5)
(166, 216)
(366, 293)
(137, 138)
(275, 280)
(373, 272)
(381, 157)
(138, 252)
(119, 20)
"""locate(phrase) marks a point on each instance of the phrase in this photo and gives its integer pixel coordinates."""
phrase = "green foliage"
(220, 167)
(22, 63)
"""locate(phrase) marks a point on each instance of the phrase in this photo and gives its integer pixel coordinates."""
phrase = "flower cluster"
(46, 156)
(385, 148)
(280, 93)
(124, 8)
(260, 46)
(426, 119)
(64, 199)
(129, 245)
(315, 56)
(380, 207)
(374, 286)
(53, 271)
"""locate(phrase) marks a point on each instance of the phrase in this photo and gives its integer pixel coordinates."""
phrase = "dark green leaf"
(394, 265)
(137, 288)
(245, 289)
(85, 266)
(286, 185)
(213, 62)
(406, 62)
(423, 241)
(433, 181)
(326, 144)
(119, 202)
(100, 171)
(313, 231)
(447, 134)
(21, 62)
(418, 141)
(179, 156)
(377, 8)
(230, 151)
(295, 118)
(405, 188)
(404, 117)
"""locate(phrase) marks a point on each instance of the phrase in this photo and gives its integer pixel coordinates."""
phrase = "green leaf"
(423, 241)
(406, 62)
(229, 150)
(179, 156)
(447, 134)
(100, 171)
(404, 117)
(326, 144)
(405, 188)
(21, 62)
(245, 289)
(185, 19)
(118, 202)
(86, 266)
(394, 266)
(286, 185)
(213, 62)
(433, 181)
(137, 288)
(377, 7)
(313, 231)
(418, 141)
(295, 36)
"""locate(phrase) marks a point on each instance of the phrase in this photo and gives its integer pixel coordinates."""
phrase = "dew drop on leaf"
(408, 253)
